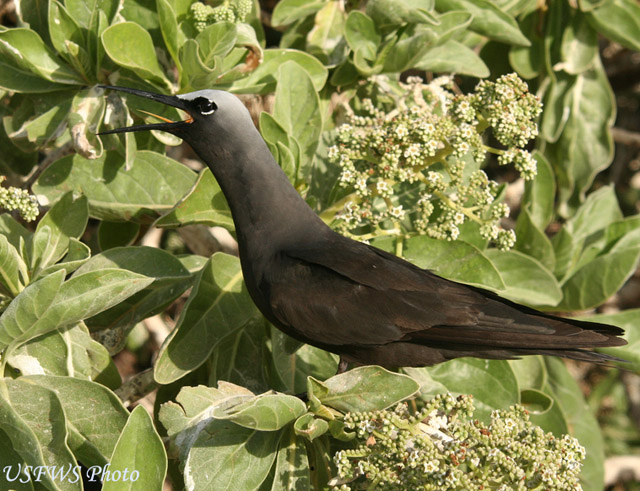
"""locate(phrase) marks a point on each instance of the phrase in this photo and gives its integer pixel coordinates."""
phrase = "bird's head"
(212, 115)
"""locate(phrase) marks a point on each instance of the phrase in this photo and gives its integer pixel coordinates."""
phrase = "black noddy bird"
(344, 296)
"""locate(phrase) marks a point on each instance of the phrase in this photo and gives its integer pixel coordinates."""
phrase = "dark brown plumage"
(349, 298)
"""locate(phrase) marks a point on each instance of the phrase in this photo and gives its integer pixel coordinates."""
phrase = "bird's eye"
(205, 106)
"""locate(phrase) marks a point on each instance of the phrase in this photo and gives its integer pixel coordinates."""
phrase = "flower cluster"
(229, 10)
(414, 162)
(13, 198)
(442, 447)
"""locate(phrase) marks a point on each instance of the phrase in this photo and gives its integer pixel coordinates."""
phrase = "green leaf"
(581, 422)
(409, 48)
(579, 45)
(539, 194)
(217, 40)
(26, 51)
(173, 36)
(294, 366)
(310, 427)
(491, 382)
(66, 219)
(585, 146)
(288, 11)
(170, 277)
(556, 99)
(34, 420)
(528, 61)
(532, 241)
(130, 46)
(263, 79)
(527, 281)
(49, 304)
(87, 110)
(152, 186)
(66, 352)
(228, 456)
(391, 13)
(266, 412)
(530, 372)
(457, 261)
(94, 416)
(488, 20)
(204, 204)
(600, 278)
(292, 463)
(596, 213)
(535, 401)
(627, 320)
(139, 450)
(77, 255)
(13, 230)
(117, 234)
(13, 270)
(453, 57)
(217, 451)
(18, 321)
(86, 11)
(280, 145)
(303, 122)
(618, 20)
(63, 28)
(21, 80)
(326, 39)
(361, 34)
(363, 389)
(219, 307)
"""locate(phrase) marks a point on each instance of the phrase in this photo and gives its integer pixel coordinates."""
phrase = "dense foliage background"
(111, 292)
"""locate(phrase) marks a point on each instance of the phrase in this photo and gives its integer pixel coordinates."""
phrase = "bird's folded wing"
(357, 293)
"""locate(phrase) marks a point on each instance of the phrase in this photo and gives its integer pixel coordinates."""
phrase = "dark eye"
(205, 106)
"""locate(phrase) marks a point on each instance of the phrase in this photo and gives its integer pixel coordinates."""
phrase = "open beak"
(169, 100)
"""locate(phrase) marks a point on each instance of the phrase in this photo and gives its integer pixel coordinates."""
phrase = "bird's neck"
(266, 208)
